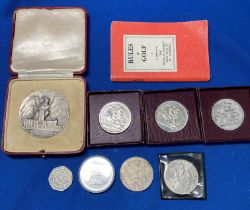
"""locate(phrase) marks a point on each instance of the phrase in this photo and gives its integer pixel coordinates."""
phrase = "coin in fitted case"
(115, 118)
(225, 114)
(182, 175)
(172, 116)
(46, 101)
(68, 140)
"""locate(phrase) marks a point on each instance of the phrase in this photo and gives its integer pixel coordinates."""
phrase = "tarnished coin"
(181, 176)
(96, 174)
(227, 114)
(44, 113)
(60, 178)
(136, 174)
(171, 116)
(115, 117)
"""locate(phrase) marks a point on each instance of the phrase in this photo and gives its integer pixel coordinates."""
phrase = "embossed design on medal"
(171, 116)
(115, 117)
(227, 114)
(136, 174)
(181, 176)
(60, 178)
(44, 113)
(96, 174)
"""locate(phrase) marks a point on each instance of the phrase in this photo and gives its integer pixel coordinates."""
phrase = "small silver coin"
(136, 174)
(181, 176)
(171, 116)
(44, 113)
(115, 117)
(227, 114)
(96, 174)
(60, 178)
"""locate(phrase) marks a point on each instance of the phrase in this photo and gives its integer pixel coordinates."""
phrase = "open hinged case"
(45, 101)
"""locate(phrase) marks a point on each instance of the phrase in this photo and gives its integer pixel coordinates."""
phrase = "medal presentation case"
(230, 121)
(45, 100)
(212, 115)
(179, 116)
(115, 118)
(172, 116)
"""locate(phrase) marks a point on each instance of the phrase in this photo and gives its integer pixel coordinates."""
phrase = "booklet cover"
(159, 52)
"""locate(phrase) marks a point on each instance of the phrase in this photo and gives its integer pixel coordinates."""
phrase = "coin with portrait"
(115, 117)
(171, 116)
(227, 114)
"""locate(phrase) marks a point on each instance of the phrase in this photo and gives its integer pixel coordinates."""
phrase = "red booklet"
(159, 52)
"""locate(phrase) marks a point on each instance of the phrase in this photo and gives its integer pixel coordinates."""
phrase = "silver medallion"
(171, 116)
(44, 113)
(136, 174)
(96, 174)
(227, 114)
(181, 177)
(115, 117)
(60, 178)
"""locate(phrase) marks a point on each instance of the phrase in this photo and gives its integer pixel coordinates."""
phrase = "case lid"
(48, 41)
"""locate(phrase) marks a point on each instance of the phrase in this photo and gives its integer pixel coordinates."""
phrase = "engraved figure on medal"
(181, 177)
(95, 179)
(171, 116)
(96, 174)
(44, 113)
(227, 114)
(115, 117)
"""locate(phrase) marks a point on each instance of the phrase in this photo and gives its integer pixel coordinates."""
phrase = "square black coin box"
(182, 176)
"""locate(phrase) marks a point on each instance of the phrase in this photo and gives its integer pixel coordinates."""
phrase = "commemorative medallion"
(96, 174)
(136, 174)
(227, 114)
(171, 116)
(44, 113)
(115, 117)
(60, 178)
(181, 177)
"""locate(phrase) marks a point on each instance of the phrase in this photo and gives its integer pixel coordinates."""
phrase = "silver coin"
(136, 174)
(227, 114)
(171, 116)
(60, 178)
(115, 117)
(96, 174)
(181, 177)
(44, 113)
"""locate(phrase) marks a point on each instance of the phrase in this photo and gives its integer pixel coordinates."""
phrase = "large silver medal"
(44, 113)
